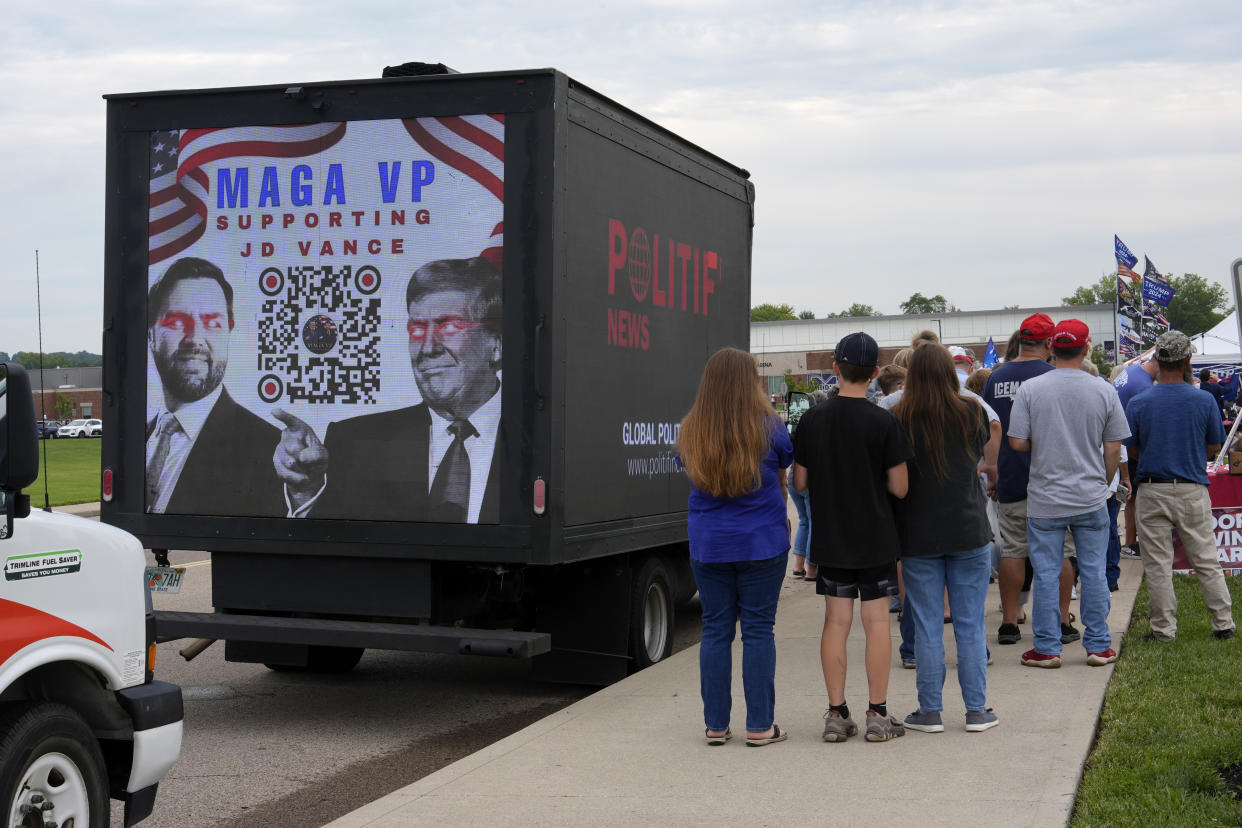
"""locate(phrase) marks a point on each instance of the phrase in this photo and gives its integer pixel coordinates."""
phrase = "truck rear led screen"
(324, 320)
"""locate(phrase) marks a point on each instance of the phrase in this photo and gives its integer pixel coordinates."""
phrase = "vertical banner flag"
(1150, 272)
(1125, 259)
(989, 355)
(1129, 304)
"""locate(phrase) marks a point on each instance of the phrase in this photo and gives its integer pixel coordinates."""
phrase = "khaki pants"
(1161, 508)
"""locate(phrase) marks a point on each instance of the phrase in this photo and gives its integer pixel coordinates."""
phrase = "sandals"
(717, 741)
(798, 573)
(778, 735)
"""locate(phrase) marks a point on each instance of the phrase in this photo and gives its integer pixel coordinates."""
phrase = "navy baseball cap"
(857, 349)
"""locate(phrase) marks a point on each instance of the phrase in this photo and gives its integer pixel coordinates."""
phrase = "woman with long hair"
(944, 533)
(735, 452)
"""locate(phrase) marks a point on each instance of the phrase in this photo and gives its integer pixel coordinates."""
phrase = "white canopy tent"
(1219, 345)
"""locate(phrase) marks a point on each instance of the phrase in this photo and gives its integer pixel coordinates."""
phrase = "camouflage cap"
(1172, 346)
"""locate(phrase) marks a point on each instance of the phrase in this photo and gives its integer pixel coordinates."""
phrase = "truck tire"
(48, 756)
(651, 614)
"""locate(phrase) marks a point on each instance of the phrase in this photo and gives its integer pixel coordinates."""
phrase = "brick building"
(83, 387)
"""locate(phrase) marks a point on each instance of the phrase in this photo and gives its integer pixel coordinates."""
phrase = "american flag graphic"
(1122, 270)
(474, 145)
(179, 186)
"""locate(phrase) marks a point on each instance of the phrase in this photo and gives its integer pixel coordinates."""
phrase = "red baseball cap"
(1036, 327)
(1071, 333)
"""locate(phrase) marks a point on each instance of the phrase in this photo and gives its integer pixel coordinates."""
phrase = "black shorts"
(868, 584)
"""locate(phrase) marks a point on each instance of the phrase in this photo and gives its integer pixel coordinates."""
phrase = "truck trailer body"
(432, 337)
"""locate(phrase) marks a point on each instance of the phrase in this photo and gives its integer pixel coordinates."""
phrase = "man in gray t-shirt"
(1064, 418)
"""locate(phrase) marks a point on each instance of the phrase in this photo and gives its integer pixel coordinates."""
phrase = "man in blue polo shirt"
(1175, 428)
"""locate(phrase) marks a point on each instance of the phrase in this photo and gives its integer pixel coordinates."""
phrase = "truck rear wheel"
(51, 769)
(324, 659)
(651, 614)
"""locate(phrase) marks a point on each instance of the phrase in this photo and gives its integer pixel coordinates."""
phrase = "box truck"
(407, 356)
(82, 718)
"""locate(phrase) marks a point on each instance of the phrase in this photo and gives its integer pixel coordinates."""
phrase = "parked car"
(81, 428)
(47, 428)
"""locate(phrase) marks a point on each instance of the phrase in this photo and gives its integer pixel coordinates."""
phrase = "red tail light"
(107, 485)
(541, 495)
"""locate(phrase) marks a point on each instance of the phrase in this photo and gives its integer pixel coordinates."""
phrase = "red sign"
(1227, 527)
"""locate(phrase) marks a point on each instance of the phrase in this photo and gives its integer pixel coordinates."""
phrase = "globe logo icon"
(639, 264)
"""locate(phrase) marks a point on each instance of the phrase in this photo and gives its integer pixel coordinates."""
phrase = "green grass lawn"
(1172, 720)
(72, 472)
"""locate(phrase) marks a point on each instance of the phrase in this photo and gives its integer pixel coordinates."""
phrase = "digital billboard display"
(324, 320)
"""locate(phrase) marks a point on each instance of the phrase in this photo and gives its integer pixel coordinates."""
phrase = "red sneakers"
(1101, 658)
(1034, 658)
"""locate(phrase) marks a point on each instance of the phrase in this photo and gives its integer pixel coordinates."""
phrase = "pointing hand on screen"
(300, 460)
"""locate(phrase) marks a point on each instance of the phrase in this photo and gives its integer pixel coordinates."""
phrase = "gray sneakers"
(928, 721)
(978, 721)
(882, 728)
(837, 729)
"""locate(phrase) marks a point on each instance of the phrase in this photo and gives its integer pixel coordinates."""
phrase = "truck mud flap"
(421, 638)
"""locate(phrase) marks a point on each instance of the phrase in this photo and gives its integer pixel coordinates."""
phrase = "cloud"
(983, 150)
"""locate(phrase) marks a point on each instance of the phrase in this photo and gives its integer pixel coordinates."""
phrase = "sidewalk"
(86, 510)
(633, 753)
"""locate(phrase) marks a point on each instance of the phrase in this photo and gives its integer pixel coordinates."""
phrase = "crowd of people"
(918, 483)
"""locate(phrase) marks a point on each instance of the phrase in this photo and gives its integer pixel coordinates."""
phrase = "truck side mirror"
(19, 447)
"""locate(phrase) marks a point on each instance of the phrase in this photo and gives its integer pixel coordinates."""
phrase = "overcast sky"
(986, 151)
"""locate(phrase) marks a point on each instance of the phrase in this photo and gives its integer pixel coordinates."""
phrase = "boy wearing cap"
(1063, 418)
(1176, 428)
(1035, 344)
(851, 456)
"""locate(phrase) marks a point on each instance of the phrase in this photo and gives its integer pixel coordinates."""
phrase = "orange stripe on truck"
(21, 626)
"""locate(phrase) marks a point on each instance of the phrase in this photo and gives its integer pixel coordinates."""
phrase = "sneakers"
(837, 729)
(1069, 633)
(1155, 638)
(978, 721)
(883, 728)
(1224, 635)
(1131, 551)
(926, 721)
(1008, 634)
(1034, 658)
(1101, 658)
(909, 664)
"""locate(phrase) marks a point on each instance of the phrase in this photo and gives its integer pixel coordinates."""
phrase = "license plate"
(165, 578)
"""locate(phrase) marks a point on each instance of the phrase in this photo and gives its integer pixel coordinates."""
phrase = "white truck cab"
(81, 717)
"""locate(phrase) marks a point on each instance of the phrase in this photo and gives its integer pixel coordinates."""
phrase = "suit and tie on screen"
(434, 461)
(205, 454)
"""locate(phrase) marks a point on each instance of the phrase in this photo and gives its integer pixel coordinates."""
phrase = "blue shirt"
(1132, 382)
(1013, 467)
(1171, 426)
(752, 527)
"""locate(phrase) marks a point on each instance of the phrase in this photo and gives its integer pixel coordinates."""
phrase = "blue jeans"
(801, 502)
(906, 625)
(1113, 570)
(965, 575)
(1046, 537)
(728, 591)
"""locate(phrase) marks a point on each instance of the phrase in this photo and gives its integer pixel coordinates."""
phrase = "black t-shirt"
(942, 516)
(847, 446)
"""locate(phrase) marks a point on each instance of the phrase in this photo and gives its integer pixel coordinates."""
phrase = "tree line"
(1197, 305)
(56, 359)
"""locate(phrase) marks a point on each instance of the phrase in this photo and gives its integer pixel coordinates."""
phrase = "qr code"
(319, 334)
